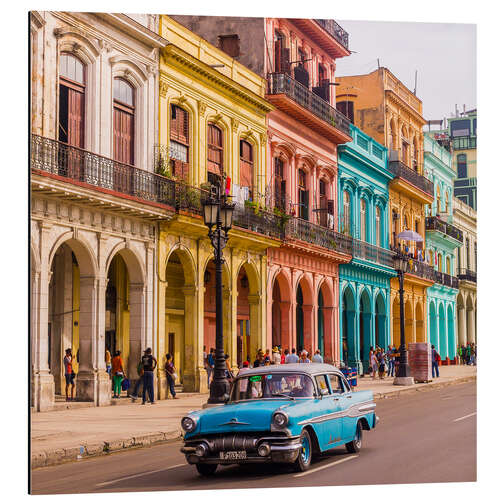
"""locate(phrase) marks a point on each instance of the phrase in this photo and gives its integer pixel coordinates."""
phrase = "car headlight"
(280, 419)
(188, 424)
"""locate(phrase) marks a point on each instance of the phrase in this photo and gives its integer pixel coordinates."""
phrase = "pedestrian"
(69, 374)
(463, 354)
(372, 359)
(381, 363)
(139, 381)
(473, 354)
(292, 358)
(467, 355)
(276, 356)
(317, 358)
(435, 362)
(260, 359)
(268, 355)
(303, 357)
(149, 364)
(107, 360)
(210, 365)
(459, 354)
(283, 355)
(229, 370)
(171, 374)
(118, 373)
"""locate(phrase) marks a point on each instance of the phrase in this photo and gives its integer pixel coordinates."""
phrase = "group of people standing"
(467, 354)
(382, 362)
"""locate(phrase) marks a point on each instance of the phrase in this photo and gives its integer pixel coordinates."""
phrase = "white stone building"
(94, 197)
(465, 218)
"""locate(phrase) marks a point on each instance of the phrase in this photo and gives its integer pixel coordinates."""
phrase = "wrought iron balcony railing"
(464, 143)
(399, 169)
(263, 222)
(421, 269)
(467, 274)
(335, 30)
(282, 83)
(366, 251)
(446, 279)
(318, 235)
(95, 170)
(436, 224)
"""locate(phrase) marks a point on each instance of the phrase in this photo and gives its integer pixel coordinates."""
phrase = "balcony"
(93, 171)
(309, 109)
(399, 169)
(467, 275)
(464, 143)
(422, 270)
(97, 172)
(446, 279)
(304, 230)
(326, 33)
(366, 251)
(435, 224)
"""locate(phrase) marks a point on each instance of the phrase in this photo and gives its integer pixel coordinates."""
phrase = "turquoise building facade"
(442, 238)
(363, 194)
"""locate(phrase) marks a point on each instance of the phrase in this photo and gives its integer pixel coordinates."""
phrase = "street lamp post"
(218, 217)
(403, 372)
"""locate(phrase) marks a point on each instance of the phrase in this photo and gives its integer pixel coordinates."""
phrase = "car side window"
(336, 384)
(321, 382)
(345, 383)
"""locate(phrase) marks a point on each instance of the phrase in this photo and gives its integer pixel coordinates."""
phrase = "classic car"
(279, 414)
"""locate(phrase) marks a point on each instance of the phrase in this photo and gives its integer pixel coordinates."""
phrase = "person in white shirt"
(276, 356)
(304, 358)
(317, 358)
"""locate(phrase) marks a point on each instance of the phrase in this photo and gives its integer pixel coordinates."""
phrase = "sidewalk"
(61, 436)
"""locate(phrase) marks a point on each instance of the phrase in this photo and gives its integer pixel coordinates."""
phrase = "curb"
(422, 387)
(64, 455)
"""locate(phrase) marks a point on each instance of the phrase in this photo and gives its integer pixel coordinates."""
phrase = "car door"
(329, 426)
(342, 399)
(346, 401)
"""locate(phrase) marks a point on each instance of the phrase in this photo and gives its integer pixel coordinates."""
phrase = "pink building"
(297, 57)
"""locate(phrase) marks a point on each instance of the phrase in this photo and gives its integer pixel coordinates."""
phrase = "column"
(194, 371)
(160, 341)
(328, 332)
(285, 312)
(255, 329)
(308, 310)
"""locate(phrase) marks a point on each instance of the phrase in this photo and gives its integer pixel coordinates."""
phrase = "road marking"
(107, 483)
(466, 416)
(325, 466)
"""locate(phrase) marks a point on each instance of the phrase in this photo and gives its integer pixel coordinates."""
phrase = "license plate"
(232, 455)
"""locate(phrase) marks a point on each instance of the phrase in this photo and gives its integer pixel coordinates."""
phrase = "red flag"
(228, 185)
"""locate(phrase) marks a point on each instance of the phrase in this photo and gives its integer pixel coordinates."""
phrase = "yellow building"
(385, 109)
(212, 122)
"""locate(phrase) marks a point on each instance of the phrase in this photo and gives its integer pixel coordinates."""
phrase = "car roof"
(309, 368)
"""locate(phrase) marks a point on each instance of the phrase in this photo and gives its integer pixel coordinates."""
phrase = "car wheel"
(206, 469)
(354, 446)
(305, 454)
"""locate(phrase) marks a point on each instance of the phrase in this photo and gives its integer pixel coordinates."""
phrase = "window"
(347, 109)
(462, 166)
(336, 384)
(300, 72)
(303, 196)
(323, 204)
(440, 262)
(475, 256)
(246, 167)
(415, 155)
(71, 100)
(460, 128)
(459, 255)
(123, 121)
(179, 141)
(279, 184)
(467, 253)
(322, 88)
(281, 54)
(448, 265)
(363, 220)
(215, 153)
(438, 199)
(322, 383)
(431, 258)
(395, 217)
(230, 44)
(347, 213)
(447, 203)
(378, 228)
(406, 147)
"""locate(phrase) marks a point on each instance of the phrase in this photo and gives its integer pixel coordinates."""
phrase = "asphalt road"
(423, 437)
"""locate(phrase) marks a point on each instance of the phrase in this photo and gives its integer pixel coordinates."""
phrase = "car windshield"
(272, 385)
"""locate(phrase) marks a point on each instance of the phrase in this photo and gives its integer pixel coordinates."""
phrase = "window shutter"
(301, 75)
(285, 61)
(330, 207)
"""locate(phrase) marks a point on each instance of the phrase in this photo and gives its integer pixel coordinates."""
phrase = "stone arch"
(187, 260)
(135, 264)
(77, 44)
(409, 321)
(280, 296)
(396, 316)
(381, 318)
(419, 322)
(325, 341)
(128, 70)
(304, 312)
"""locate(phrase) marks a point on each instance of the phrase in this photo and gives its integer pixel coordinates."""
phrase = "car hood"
(245, 416)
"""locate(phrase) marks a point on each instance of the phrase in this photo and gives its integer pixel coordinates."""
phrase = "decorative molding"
(202, 108)
(163, 88)
(235, 123)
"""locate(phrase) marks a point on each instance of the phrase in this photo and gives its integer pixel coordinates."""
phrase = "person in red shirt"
(118, 374)
(69, 375)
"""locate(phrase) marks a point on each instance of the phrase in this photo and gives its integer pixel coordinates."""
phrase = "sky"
(444, 56)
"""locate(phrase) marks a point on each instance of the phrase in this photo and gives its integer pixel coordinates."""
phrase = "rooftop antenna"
(415, 91)
(378, 63)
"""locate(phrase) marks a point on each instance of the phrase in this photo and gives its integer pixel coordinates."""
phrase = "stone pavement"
(67, 435)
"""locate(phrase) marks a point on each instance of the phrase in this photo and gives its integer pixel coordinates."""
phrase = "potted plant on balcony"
(252, 205)
(283, 217)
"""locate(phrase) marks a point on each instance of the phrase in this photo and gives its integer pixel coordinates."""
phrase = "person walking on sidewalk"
(69, 375)
(140, 380)
(210, 365)
(435, 362)
(317, 358)
(118, 373)
(373, 363)
(171, 375)
(276, 356)
(292, 358)
(467, 354)
(381, 363)
(148, 365)
(303, 357)
(107, 360)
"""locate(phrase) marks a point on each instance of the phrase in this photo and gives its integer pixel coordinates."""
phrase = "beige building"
(465, 218)
(94, 200)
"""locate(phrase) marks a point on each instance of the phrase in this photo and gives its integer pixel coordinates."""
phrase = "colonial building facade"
(384, 108)
(93, 208)
(442, 239)
(212, 126)
(364, 306)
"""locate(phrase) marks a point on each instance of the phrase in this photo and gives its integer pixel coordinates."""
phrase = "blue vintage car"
(279, 414)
